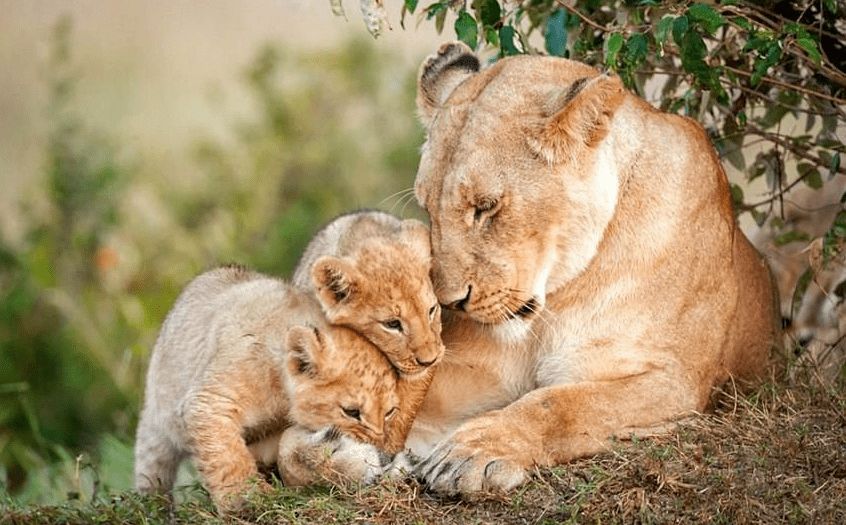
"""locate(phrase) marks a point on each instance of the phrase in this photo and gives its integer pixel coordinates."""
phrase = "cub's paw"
(307, 457)
(475, 460)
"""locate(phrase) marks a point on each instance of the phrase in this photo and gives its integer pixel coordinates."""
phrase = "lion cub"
(242, 356)
(370, 271)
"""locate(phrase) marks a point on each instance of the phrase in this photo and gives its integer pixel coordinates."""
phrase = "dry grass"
(775, 456)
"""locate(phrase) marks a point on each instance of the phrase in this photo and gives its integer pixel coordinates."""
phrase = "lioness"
(585, 245)
(239, 358)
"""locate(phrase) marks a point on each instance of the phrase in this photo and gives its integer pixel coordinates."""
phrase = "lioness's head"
(514, 176)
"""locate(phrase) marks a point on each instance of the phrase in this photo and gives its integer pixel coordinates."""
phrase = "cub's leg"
(157, 457)
(215, 424)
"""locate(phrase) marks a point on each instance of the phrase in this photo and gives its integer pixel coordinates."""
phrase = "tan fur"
(370, 271)
(805, 210)
(240, 357)
(587, 245)
(818, 329)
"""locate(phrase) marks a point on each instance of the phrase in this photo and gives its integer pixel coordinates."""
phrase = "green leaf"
(831, 5)
(835, 165)
(736, 195)
(756, 44)
(707, 17)
(440, 20)
(776, 112)
(612, 49)
(810, 47)
(680, 27)
(635, 49)
(810, 174)
(466, 29)
(693, 54)
(793, 28)
(489, 12)
(772, 57)
(662, 30)
(411, 5)
(492, 37)
(730, 145)
(758, 216)
(742, 22)
(791, 236)
(506, 40)
(556, 34)
(433, 10)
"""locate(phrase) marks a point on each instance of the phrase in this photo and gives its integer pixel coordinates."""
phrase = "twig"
(776, 139)
(786, 85)
(584, 19)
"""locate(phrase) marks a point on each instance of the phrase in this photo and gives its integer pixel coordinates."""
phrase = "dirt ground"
(775, 456)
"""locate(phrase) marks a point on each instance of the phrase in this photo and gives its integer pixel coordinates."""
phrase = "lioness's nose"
(460, 304)
(425, 363)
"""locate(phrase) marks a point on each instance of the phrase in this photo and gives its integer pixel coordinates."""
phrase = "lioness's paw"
(473, 461)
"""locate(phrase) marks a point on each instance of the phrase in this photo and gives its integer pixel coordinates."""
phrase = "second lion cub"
(242, 356)
(371, 272)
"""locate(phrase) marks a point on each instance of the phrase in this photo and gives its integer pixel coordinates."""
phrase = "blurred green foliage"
(110, 242)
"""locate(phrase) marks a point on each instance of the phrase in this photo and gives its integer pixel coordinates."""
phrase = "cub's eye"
(391, 413)
(394, 325)
(433, 311)
(352, 413)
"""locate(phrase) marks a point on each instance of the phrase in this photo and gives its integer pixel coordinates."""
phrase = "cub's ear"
(440, 74)
(305, 351)
(336, 281)
(578, 118)
(415, 235)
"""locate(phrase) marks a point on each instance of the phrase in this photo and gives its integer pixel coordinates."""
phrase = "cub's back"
(191, 332)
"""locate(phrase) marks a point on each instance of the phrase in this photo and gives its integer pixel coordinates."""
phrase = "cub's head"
(338, 379)
(384, 291)
(515, 175)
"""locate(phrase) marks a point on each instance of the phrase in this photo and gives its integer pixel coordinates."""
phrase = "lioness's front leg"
(547, 427)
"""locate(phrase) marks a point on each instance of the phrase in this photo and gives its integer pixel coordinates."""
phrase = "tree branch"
(583, 18)
(786, 85)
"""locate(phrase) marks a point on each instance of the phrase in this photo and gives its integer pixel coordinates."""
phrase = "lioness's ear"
(578, 118)
(335, 280)
(415, 235)
(440, 74)
(305, 349)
